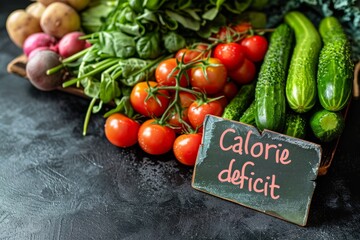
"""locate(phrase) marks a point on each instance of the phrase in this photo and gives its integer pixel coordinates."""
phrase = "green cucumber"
(295, 125)
(301, 89)
(327, 125)
(248, 116)
(336, 69)
(240, 102)
(270, 88)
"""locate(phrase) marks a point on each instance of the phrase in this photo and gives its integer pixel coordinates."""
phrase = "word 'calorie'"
(256, 150)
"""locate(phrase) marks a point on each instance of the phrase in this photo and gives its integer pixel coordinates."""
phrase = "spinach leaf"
(148, 46)
(186, 21)
(136, 5)
(109, 88)
(132, 29)
(168, 22)
(117, 44)
(153, 5)
(173, 41)
(91, 88)
(136, 70)
(237, 6)
(211, 13)
(123, 105)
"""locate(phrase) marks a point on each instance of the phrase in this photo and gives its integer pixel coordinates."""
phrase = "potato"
(59, 19)
(48, 2)
(78, 4)
(36, 9)
(21, 24)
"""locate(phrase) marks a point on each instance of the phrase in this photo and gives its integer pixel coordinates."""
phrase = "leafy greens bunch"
(133, 38)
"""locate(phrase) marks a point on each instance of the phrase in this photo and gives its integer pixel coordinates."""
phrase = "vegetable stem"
(87, 116)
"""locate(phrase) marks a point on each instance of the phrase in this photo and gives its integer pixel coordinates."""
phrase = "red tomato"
(176, 122)
(197, 112)
(149, 107)
(255, 47)
(186, 148)
(230, 90)
(165, 74)
(243, 27)
(224, 34)
(155, 139)
(244, 74)
(186, 99)
(121, 130)
(187, 55)
(214, 80)
(232, 55)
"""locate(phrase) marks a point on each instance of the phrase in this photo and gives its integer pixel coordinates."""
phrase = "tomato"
(177, 122)
(166, 76)
(244, 74)
(230, 90)
(187, 55)
(121, 130)
(150, 107)
(224, 34)
(255, 47)
(215, 79)
(232, 55)
(186, 148)
(243, 27)
(185, 99)
(198, 111)
(154, 138)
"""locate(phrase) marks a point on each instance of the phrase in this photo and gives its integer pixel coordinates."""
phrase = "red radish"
(71, 44)
(38, 40)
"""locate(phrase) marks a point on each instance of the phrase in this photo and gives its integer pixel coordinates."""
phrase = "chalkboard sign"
(269, 172)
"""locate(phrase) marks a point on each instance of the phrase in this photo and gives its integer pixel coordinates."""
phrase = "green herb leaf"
(187, 22)
(109, 88)
(117, 44)
(148, 47)
(211, 13)
(173, 41)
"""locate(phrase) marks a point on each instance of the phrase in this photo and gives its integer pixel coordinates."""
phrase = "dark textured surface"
(57, 184)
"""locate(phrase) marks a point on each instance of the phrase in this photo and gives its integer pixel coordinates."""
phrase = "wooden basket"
(18, 65)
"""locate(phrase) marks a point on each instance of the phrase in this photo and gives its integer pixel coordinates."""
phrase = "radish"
(71, 44)
(38, 40)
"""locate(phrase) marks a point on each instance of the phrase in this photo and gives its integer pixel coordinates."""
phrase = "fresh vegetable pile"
(162, 66)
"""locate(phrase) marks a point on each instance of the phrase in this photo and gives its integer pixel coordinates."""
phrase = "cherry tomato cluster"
(195, 82)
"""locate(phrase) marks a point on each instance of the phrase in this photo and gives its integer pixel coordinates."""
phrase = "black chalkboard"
(269, 172)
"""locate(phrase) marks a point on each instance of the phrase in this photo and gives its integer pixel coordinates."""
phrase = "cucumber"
(327, 125)
(248, 116)
(270, 88)
(295, 125)
(336, 69)
(301, 89)
(240, 102)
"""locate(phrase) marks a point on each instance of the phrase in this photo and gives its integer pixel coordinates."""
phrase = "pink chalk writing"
(241, 178)
(242, 146)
